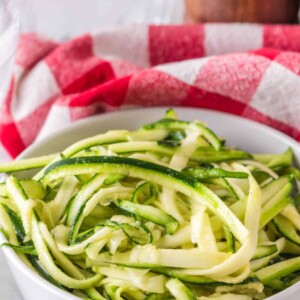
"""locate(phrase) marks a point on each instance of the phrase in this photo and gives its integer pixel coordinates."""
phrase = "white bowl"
(239, 132)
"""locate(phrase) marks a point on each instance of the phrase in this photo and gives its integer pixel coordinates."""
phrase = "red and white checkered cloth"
(213, 66)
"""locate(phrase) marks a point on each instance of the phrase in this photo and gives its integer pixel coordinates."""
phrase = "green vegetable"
(164, 212)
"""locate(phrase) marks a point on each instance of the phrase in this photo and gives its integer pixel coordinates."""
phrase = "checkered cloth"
(214, 66)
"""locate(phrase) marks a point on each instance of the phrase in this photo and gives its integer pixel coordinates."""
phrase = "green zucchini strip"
(278, 270)
(151, 172)
(25, 205)
(152, 214)
(243, 256)
(101, 139)
(178, 161)
(64, 262)
(202, 173)
(21, 249)
(26, 164)
(179, 290)
(48, 263)
(208, 134)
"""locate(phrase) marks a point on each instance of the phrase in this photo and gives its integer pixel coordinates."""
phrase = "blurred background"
(63, 19)
(253, 11)
(60, 19)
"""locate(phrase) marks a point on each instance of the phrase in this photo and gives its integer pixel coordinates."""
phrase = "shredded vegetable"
(164, 212)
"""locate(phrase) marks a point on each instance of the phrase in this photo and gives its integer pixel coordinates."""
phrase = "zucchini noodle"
(164, 212)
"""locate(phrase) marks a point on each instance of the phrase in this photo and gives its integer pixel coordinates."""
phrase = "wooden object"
(260, 11)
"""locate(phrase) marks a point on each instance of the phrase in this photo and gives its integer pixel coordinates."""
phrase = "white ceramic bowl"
(238, 132)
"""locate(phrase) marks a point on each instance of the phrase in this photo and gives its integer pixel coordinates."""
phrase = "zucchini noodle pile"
(164, 212)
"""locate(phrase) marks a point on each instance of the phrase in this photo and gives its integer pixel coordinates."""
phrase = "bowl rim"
(13, 258)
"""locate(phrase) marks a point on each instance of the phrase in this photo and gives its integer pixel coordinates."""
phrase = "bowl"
(239, 132)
